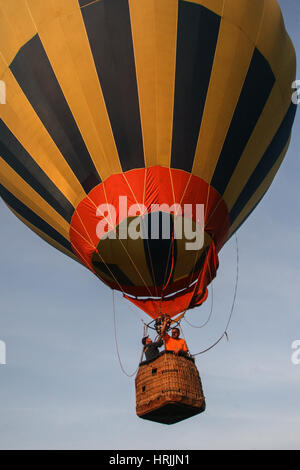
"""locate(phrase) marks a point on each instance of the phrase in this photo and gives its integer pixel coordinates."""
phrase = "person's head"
(175, 333)
(146, 340)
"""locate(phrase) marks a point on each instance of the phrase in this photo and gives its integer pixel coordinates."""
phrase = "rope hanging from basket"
(116, 341)
(210, 313)
(232, 307)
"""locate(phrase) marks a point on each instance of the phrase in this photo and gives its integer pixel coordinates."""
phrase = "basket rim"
(189, 358)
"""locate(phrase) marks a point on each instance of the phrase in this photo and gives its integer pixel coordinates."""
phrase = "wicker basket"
(168, 389)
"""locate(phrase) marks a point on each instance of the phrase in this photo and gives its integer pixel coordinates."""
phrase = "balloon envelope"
(118, 110)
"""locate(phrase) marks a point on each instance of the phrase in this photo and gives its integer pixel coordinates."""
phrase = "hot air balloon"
(122, 112)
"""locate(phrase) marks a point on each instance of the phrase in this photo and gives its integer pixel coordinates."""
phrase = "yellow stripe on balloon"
(63, 35)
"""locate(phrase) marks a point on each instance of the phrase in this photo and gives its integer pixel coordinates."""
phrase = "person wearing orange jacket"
(174, 343)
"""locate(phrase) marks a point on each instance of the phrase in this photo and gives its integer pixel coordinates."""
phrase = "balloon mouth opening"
(160, 244)
(150, 255)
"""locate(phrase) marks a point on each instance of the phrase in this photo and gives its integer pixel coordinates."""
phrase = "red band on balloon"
(150, 186)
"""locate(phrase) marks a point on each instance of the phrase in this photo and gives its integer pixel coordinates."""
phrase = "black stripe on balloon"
(255, 93)
(157, 236)
(197, 36)
(265, 165)
(35, 76)
(33, 218)
(113, 272)
(109, 32)
(23, 164)
(84, 3)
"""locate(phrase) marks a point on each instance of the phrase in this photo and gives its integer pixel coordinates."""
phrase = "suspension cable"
(232, 307)
(117, 346)
(210, 313)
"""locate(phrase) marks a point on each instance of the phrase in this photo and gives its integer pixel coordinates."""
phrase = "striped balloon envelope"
(120, 114)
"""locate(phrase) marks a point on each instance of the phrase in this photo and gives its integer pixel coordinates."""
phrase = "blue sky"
(62, 386)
